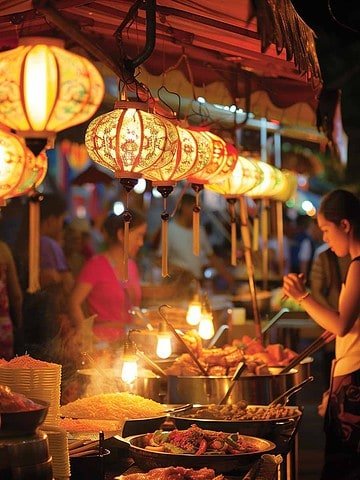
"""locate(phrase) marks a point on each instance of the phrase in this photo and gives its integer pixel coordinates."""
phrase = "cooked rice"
(73, 425)
(112, 406)
(25, 361)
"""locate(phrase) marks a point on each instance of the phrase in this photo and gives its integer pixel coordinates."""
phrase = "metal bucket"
(256, 389)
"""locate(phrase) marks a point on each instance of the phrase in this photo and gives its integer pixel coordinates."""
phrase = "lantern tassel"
(196, 220)
(34, 244)
(231, 202)
(125, 273)
(165, 246)
(165, 191)
(256, 230)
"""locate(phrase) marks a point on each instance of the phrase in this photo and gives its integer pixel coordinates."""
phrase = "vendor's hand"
(294, 286)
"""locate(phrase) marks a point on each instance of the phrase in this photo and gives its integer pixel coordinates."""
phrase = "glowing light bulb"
(194, 312)
(206, 325)
(163, 347)
(129, 370)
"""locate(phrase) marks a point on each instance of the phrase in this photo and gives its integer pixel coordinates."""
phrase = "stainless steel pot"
(152, 388)
(256, 389)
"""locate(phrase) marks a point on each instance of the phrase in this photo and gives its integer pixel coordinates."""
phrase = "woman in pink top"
(99, 289)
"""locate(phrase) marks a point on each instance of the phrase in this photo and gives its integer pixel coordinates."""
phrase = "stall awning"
(259, 50)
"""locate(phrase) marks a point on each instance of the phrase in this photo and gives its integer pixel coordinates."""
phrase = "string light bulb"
(193, 314)
(163, 346)
(129, 370)
(206, 326)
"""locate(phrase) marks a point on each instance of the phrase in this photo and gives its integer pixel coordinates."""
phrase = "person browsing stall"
(99, 289)
(339, 221)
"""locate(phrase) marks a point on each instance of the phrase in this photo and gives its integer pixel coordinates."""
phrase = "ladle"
(239, 369)
(217, 335)
(288, 393)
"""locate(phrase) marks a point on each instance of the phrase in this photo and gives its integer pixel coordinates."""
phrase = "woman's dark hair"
(342, 205)
(113, 223)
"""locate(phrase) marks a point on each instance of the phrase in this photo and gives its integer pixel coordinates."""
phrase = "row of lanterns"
(45, 89)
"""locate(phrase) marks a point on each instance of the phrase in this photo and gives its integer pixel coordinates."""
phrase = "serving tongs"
(267, 327)
(323, 339)
(152, 365)
(284, 397)
(182, 341)
(239, 370)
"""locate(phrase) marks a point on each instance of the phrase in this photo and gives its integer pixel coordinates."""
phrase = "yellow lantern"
(268, 183)
(129, 140)
(287, 187)
(13, 157)
(33, 174)
(245, 176)
(45, 89)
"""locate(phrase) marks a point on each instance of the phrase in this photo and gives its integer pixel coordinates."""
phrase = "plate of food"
(20, 415)
(196, 448)
(171, 473)
(256, 420)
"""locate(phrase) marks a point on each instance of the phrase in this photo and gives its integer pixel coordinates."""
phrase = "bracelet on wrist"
(303, 297)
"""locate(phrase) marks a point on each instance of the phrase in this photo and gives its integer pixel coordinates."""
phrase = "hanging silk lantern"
(191, 156)
(45, 89)
(33, 174)
(244, 177)
(221, 163)
(13, 157)
(270, 182)
(287, 188)
(128, 141)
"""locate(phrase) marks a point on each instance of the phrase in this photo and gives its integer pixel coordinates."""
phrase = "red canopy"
(247, 46)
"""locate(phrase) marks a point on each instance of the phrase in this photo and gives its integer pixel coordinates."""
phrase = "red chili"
(202, 447)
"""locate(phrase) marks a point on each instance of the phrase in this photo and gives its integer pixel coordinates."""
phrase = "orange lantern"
(13, 157)
(45, 89)
(191, 156)
(221, 163)
(244, 177)
(33, 174)
(129, 140)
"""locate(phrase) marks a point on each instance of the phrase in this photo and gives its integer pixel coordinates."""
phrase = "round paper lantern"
(13, 157)
(33, 174)
(128, 141)
(45, 89)
(287, 187)
(245, 176)
(270, 178)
